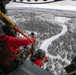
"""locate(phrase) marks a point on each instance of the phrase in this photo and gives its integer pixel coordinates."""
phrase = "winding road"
(49, 41)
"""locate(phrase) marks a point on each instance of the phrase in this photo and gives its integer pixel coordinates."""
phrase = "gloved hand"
(46, 59)
(33, 39)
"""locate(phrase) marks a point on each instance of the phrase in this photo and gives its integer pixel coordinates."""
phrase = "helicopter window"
(36, 1)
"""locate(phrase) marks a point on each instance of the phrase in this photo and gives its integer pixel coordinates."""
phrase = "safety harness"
(19, 58)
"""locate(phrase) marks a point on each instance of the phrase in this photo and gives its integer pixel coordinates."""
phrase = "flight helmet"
(40, 53)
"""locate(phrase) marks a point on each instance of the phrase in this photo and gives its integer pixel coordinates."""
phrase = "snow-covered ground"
(48, 41)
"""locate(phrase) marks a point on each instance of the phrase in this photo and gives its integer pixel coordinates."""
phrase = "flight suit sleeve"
(21, 41)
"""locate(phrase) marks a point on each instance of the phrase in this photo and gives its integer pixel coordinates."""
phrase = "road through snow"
(49, 41)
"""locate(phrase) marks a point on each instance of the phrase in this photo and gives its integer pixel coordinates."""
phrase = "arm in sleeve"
(21, 41)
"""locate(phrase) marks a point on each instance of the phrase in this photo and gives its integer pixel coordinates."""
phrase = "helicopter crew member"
(10, 45)
(40, 58)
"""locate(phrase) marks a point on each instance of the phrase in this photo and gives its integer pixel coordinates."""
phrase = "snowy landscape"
(55, 31)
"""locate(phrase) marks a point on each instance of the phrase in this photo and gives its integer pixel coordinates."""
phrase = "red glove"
(33, 39)
(46, 58)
